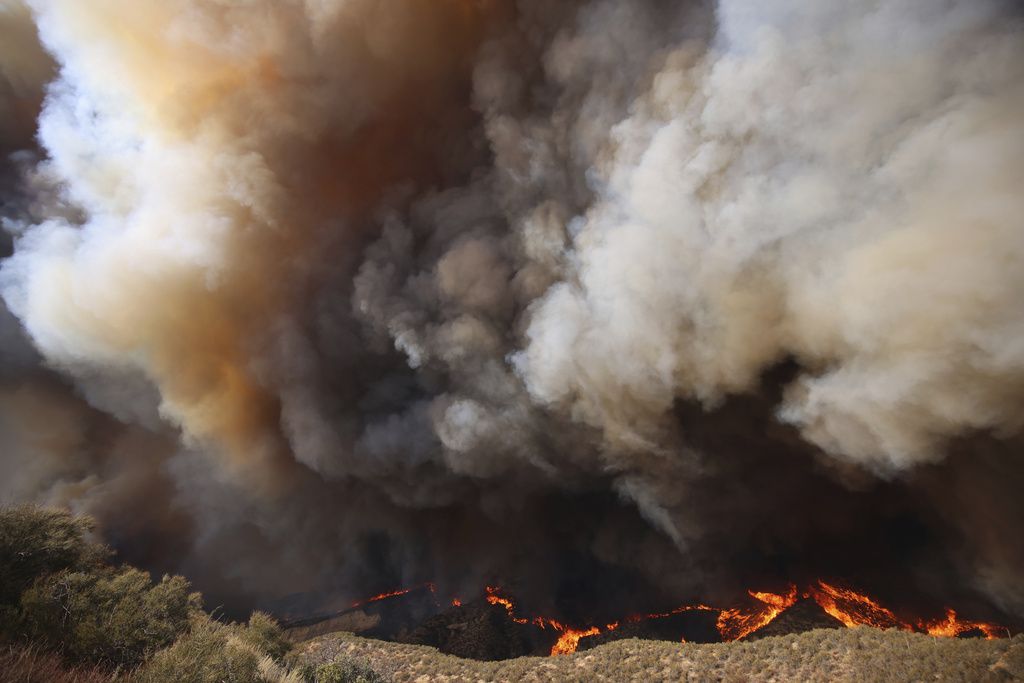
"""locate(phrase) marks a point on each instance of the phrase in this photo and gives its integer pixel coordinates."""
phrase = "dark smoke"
(641, 300)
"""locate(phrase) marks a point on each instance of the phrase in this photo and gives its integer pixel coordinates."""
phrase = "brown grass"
(21, 664)
(858, 654)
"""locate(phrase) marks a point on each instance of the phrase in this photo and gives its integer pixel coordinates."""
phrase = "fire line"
(849, 607)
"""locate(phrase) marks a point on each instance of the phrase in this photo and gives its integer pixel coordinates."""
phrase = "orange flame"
(495, 599)
(394, 594)
(857, 609)
(854, 609)
(848, 606)
(736, 623)
(951, 626)
(570, 640)
(382, 596)
(677, 610)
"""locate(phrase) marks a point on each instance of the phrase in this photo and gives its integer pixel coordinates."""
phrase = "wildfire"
(672, 612)
(848, 606)
(735, 623)
(570, 640)
(951, 626)
(854, 609)
(857, 609)
(394, 594)
(569, 637)
(495, 599)
(383, 596)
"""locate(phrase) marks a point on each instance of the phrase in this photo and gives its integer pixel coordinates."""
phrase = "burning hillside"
(847, 607)
(610, 303)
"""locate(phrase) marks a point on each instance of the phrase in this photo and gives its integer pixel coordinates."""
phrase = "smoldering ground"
(325, 296)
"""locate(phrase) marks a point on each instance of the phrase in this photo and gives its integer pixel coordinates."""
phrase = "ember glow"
(394, 594)
(672, 612)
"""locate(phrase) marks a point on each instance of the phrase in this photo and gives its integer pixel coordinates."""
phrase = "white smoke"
(334, 256)
(836, 184)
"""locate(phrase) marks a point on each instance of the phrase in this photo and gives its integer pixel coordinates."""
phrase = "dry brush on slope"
(859, 654)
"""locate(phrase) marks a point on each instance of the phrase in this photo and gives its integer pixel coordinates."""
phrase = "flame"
(570, 640)
(394, 594)
(382, 596)
(736, 623)
(673, 612)
(732, 624)
(495, 599)
(848, 606)
(854, 609)
(951, 626)
(569, 637)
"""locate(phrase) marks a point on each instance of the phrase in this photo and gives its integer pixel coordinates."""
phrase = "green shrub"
(208, 654)
(37, 541)
(57, 594)
(116, 618)
(344, 671)
(222, 653)
(265, 634)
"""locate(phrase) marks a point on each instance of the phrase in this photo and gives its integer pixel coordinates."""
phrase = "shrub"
(58, 594)
(205, 655)
(221, 653)
(344, 671)
(36, 541)
(112, 617)
(265, 634)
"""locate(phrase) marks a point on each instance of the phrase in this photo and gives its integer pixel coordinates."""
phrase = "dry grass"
(860, 654)
(222, 653)
(20, 664)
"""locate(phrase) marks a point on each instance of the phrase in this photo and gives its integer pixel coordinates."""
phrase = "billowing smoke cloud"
(337, 290)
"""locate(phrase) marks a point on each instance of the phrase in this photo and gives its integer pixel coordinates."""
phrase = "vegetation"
(68, 616)
(856, 654)
(112, 617)
(344, 671)
(220, 653)
(35, 542)
(26, 664)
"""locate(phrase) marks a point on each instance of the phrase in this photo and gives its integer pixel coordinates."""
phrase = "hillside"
(860, 654)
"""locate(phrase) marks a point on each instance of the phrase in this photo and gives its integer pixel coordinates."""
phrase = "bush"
(264, 634)
(36, 541)
(345, 671)
(116, 618)
(205, 655)
(58, 594)
(220, 653)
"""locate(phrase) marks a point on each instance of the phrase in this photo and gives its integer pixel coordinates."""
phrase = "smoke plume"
(322, 296)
